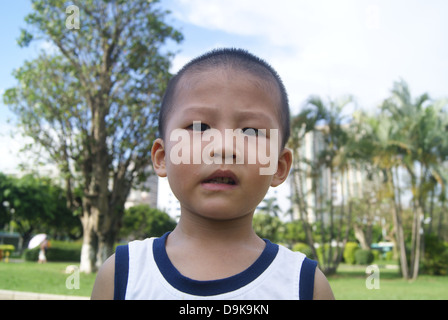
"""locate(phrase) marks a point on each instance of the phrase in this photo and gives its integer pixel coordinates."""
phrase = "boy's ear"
(283, 167)
(158, 157)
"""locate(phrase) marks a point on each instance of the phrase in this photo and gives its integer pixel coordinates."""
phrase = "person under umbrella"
(42, 241)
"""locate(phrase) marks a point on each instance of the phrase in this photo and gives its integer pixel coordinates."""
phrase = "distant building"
(149, 196)
(167, 201)
(344, 185)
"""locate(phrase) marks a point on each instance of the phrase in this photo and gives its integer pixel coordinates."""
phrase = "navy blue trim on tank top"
(211, 287)
(306, 283)
(121, 272)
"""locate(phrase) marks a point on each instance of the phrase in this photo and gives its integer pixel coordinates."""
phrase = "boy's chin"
(221, 214)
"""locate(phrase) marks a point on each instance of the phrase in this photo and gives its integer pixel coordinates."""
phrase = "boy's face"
(224, 183)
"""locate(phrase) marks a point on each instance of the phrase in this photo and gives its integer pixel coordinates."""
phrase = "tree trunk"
(96, 217)
(398, 224)
(431, 209)
(441, 214)
(105, 248)
(89, 245)
(300, 200)
(418, 214)
(331, 269)
(361, 237)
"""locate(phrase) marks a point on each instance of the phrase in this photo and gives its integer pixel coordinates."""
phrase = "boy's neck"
(209, 232)
(207, 249)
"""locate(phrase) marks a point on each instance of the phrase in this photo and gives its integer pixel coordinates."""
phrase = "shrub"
(389, 255)
(321, 250)
(364, 257)
(304, 248)
(435, 261)
(349, 252)
(59, 251)
(377, 255)
(31, 254)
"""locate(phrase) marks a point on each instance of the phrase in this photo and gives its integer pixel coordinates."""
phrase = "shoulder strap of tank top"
(121, 272)
(306, 283)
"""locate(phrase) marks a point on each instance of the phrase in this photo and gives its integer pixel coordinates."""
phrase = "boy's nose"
(226, 149)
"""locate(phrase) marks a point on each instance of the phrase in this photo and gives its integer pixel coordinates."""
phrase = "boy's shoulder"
(103, 288)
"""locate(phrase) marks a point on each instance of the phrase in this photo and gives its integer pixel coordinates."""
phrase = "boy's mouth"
(222, 178)
(225, 180)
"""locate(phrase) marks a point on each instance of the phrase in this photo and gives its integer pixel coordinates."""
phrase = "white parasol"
(37, 240)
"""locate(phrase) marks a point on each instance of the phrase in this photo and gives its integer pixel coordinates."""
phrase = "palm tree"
(332, 159)
(379, 144)
(300, 126)
(270, 206)
(420, 129)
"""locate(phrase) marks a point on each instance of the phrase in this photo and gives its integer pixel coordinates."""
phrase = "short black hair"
(229, 57)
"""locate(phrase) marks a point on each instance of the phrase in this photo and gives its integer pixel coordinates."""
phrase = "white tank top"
(143, 270)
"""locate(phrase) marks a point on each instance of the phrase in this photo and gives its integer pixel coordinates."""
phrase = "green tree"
(142, 221)
(268, 227)
(406, 141)
(294, 232)
(35, 204)
(324, 119)
(421, 124)
(5, 215)
(380, 144)
(270, 206)
(93, 104)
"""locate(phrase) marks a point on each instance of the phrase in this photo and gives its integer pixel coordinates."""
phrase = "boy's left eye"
(252, 132)
(198, 126)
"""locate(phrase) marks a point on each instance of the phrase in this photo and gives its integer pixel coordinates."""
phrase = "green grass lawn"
(348, 283)
(43, 278)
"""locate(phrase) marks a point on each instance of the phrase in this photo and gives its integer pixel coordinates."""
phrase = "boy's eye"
(252, 132)
(198, 126)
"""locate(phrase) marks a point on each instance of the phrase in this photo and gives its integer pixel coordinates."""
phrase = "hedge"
(59, 251)
(364, 257)
(304, 248)
(349, 252)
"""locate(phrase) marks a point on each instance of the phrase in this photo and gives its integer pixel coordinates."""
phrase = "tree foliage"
(93, 104)
(400, 152)
(142, 221)
(36, 205)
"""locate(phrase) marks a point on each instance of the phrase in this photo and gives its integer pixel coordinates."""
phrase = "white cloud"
(10, 143)
(282, 22)
(332, 47)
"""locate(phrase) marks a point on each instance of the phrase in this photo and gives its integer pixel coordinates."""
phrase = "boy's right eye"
(198, 126)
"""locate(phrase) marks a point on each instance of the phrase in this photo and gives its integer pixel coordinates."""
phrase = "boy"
(213, 253)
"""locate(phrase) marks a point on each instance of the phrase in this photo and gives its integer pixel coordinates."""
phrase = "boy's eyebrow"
(197, 109)
(243, 114)
(246, 114)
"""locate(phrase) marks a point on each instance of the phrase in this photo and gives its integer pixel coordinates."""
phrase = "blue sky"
(324, 47)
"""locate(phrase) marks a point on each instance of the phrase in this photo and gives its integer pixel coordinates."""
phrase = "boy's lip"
(206, 183)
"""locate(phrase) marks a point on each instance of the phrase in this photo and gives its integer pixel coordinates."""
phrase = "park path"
(20, 295)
